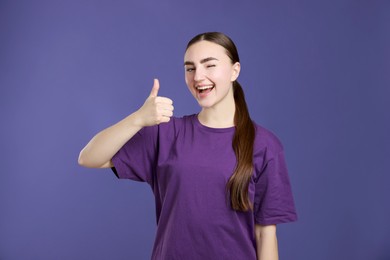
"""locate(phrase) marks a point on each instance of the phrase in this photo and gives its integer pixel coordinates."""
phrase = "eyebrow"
(201, 61)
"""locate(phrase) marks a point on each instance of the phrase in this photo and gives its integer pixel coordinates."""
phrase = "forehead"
(205, 49)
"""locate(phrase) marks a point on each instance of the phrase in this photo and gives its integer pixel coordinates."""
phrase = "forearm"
(104, 145)
(267, 243)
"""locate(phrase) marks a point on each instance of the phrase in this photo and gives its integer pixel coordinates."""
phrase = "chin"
(206, 104)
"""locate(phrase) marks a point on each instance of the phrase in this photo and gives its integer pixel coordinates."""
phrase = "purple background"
(317, 73)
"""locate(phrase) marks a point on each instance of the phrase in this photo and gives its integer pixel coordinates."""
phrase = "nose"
(199, 74)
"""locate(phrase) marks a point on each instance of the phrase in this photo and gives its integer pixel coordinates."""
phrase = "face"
(209, 73)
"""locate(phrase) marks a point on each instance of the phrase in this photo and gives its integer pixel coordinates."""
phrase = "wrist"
(135, 120)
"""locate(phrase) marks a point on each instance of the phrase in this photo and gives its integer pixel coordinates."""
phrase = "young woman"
(220, 181)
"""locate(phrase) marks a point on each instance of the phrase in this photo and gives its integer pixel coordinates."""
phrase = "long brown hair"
(244, 135)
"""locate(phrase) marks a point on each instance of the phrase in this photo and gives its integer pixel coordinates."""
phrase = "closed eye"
(211, 65)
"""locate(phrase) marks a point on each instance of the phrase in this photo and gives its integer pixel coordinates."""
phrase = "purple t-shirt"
(188, 166)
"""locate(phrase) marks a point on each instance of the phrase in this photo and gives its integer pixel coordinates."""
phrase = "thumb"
(156, 87)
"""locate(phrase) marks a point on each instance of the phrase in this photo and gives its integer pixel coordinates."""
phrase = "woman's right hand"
(104, 145)
(156, 109)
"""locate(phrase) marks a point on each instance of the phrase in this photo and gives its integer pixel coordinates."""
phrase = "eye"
(211, 65)
(190, 69)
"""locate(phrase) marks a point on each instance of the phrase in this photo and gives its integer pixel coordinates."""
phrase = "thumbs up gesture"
(156, 109)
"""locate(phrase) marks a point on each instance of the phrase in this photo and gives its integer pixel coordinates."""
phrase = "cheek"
(189, 82)
(223, 75)
(187, 79)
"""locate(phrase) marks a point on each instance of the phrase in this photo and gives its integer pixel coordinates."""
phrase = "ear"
(235, 71)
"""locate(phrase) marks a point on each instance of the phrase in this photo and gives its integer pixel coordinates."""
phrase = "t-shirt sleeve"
(136, 160)
(274, 202)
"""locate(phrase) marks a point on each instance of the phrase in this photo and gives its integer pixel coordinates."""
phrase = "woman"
(220, 180)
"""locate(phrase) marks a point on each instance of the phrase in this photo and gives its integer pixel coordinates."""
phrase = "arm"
(103, 146)
(266, 242)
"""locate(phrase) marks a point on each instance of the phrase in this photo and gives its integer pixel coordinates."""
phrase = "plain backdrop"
(316, 73)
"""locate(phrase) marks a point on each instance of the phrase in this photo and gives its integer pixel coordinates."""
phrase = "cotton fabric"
(188, 165)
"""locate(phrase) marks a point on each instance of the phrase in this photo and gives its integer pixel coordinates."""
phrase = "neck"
(220, 115)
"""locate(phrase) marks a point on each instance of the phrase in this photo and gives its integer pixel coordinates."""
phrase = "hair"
(243, 139)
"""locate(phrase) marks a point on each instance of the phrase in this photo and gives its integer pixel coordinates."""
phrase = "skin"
(206, 65)
(266, 242)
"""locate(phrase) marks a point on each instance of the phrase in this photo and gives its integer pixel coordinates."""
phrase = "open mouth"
(205, 89)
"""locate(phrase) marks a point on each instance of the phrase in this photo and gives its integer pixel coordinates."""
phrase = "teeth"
(203, 87)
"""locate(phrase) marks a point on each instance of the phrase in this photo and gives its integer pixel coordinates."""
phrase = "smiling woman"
(208, 66)
(226, 203)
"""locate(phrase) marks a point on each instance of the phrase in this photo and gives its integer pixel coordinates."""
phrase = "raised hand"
(156, 109)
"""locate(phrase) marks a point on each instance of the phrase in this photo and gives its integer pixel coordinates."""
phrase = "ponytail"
(244, 135)
(243, 141)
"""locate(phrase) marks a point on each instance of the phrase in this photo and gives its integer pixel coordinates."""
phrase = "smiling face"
(209, 74)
